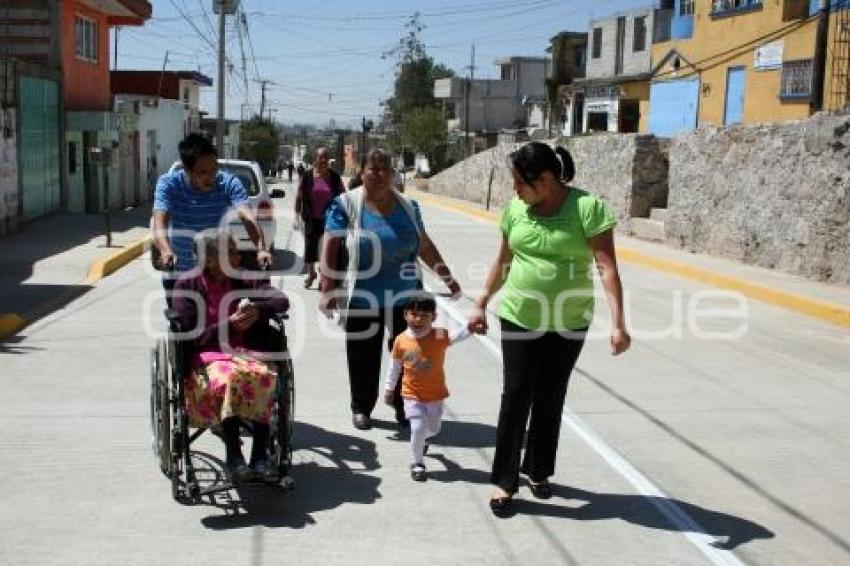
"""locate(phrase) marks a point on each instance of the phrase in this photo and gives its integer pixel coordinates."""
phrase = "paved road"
(688, 450)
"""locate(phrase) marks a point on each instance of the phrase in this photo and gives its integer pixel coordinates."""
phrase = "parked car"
(259, 200)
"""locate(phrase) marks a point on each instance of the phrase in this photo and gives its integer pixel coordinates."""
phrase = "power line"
(207, 19)
(243, 18)
(206, 40)
(403, 15)
(317, 110)
(244, 61)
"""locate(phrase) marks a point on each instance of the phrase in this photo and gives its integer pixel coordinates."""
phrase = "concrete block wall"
(633, 62)
(775, 196)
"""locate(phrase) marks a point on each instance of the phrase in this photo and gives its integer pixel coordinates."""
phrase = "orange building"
(85, 48)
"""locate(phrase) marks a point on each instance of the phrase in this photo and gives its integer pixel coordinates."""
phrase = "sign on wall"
(604, 106)
(769, 56)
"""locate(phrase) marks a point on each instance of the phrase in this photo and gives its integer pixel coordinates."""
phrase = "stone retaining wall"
(775, 195)
(770, 195)
(628, 171)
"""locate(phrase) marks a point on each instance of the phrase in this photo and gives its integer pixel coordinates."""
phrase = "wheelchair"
(171, 436)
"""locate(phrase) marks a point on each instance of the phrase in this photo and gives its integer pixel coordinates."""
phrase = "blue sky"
(327, 59)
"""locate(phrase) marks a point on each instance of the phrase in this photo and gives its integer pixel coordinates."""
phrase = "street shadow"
(330, 470)
(451, 471)
(47, 237)
(646, 511)
(11, 345)
(289, 262)
(455, 434)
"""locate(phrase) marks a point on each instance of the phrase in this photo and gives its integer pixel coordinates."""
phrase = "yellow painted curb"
(112, 263)
(449, 204)
(10, 323)
(830, 312)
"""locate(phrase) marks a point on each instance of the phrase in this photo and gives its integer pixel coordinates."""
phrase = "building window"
(597, 121)
(721, 6)
(580, 54)
(686, 8)
(597, 43)
(639, 39)
(186, 95)
(507, 73)
(85, 35)
(796, 79)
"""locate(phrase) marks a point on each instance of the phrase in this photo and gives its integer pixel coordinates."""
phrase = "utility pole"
(115, 55)
(366, 126)
(222, 6)
(263, 84)
(161, 74)
(469, 141)
(362, 138)
(819, 63)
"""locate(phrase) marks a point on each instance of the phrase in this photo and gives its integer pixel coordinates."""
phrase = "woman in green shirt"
(552, 234)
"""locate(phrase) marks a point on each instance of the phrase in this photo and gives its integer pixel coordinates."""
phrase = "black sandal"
(501, 506)
(542, 490)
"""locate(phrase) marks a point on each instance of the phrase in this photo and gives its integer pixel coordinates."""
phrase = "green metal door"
(40, 146)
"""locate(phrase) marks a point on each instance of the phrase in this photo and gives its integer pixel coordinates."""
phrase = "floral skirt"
(238, 387)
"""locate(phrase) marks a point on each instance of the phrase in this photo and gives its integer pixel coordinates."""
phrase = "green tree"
(424, 131)
(260, 143)
(412, 118)
(415, 75)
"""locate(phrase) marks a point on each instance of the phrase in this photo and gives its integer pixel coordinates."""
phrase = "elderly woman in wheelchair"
(231, 369)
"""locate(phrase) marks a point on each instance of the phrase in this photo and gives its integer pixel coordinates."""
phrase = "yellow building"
(724, 62)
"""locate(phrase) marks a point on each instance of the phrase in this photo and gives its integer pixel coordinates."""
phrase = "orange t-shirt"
(422, 376)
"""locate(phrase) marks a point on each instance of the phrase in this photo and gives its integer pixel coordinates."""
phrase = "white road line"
(689, 528)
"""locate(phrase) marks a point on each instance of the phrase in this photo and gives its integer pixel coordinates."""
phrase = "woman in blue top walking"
(383, 235)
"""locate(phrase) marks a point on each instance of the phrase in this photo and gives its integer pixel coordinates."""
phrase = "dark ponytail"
(568, 166)
(535, 158)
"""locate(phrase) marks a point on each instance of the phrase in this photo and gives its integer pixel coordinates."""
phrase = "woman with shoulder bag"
(316, 190)
(383, 235)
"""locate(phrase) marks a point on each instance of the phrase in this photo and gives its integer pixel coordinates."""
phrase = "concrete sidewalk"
(53, 260)
(828, 302)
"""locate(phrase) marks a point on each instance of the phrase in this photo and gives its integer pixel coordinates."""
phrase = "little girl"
(417, 357)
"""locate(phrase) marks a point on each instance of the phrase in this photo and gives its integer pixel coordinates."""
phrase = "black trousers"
(313, 231)
(364, 329)
(537, 368)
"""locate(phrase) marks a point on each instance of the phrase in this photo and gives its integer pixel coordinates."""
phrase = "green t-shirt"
(550, 283)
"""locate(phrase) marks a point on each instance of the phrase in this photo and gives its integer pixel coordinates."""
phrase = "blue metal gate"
(735, 84)
(673, 106)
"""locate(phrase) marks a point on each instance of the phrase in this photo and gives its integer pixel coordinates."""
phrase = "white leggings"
(425, 421)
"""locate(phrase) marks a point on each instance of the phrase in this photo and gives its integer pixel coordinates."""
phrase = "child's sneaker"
(417, 472)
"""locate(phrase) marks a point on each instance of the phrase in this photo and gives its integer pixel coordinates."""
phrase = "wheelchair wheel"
(183, 486)
(283, 419)
(160, 408)
(178, 456)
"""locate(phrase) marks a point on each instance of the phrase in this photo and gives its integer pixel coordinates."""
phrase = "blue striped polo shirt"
(193, 211)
